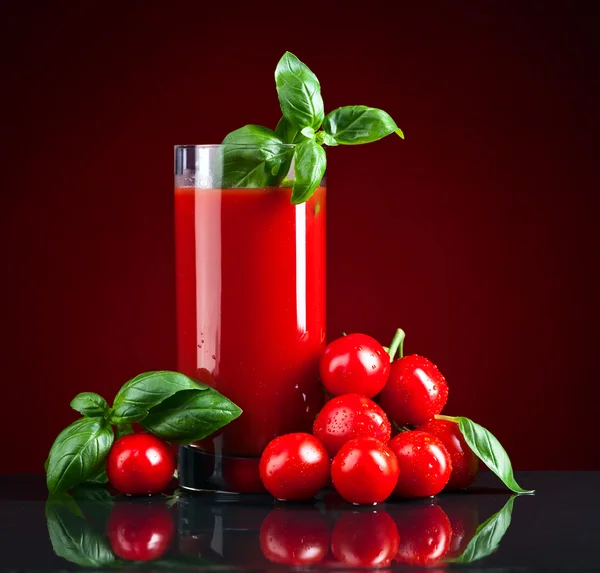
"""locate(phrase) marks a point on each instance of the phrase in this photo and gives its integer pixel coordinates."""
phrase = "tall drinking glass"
(250, 310)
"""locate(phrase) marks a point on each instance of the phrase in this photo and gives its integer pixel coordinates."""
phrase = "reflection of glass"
(250, 272)
(93, 529)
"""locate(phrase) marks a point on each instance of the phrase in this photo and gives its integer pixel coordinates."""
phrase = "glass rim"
(241, 145)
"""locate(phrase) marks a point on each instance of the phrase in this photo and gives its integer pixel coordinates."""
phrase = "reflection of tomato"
(140, 531)
(294, 536)
(463, 514)
(365, 539)
(425, 534)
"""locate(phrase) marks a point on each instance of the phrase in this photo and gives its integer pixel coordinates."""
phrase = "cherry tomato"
(347, 417)
(464, 462)
(416, 391)
(140, 532)
(361, 539)
(295, 536)
(355, 364)
(364, 471)
(294, 466)
(425, 534)
(140, 464)
(424, 463)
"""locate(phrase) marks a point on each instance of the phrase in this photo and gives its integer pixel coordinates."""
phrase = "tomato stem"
(447, 418)
(397, 344)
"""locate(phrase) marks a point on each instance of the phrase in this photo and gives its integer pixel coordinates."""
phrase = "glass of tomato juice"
(250, 272)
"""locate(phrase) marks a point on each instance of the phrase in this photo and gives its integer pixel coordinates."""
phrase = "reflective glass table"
(485, 529)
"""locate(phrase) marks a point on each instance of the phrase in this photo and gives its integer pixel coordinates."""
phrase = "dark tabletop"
(485, 529)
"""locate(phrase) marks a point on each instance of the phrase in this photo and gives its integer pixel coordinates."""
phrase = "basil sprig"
(168, 404)
(255, 156)
(488, 449)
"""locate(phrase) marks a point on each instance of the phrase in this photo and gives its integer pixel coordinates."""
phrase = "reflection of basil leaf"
(488, 535)
(299, 92)
(73, 538)
(356, 124)
(489, 450)
(309, 168)
(190, 415)
(78, 452)
(89, 404)
(254, 157)
(95, 502)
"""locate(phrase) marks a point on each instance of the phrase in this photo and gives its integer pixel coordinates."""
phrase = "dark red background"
(478, 234)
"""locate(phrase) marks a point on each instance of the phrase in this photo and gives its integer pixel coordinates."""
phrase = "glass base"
(202, 471)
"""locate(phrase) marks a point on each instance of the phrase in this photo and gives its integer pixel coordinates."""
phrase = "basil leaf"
(190, 415)
(89, 404)
(322, 137)
(254, 157)
(124, 430)
(489, 450)
(127, 413)
(488, 535)
(309, 168)
(73, 538)
(287, 132)
(356, 124)
(136, 397)
(308, 132)
(78, 452)
(99, 477)
(299, 93)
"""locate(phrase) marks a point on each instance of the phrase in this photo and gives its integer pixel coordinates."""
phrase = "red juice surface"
(251, 307)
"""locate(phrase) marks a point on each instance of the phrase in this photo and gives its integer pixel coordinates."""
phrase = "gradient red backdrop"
(477, 234)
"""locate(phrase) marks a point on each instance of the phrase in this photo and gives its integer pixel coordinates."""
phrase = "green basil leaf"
(190, 415)
(356, 124)
(136, 397)
(308, 132)
(78, 452)
(322, 137)
(489, 450)
(309, 167)
(488, 535)
(254, 157)
(127, 413)
(124, 430)
(89, 404)
(287, 132)
(299, 92)
(73, 538)
(99, 477)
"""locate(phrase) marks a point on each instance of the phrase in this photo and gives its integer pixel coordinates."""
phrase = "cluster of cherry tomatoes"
(353, 443)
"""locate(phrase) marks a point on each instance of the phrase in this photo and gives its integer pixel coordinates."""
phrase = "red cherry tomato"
(424, 463)
(140, 464)
(140, 532)
(464, 462)
(365, 539)
(294, 466)
(364, 471)
(294, 536)
(416, 391)
(347, 417)
(425, 535)
(355, 364)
